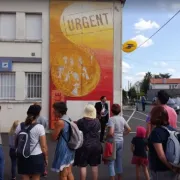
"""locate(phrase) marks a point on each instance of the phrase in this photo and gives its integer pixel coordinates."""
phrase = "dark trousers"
(12, 154)
(143, 106)
(103, 122)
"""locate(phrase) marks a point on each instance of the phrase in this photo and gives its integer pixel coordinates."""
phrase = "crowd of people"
(29, 150)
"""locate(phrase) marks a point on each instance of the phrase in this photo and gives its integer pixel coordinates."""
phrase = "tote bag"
(109, 142)
(109, 156)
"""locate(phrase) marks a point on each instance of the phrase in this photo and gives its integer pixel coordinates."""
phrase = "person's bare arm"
(160, 152)
(59, 125)
(132, 148)
(110, 132)
(44, 148)
(127, 130)
(148, 130)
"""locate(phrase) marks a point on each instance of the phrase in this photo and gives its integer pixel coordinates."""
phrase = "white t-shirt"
(118, 123)
(35, 134)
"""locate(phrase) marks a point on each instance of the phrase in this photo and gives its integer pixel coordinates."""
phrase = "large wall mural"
(81, 51)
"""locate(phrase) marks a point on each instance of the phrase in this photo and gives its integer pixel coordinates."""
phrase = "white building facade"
(24, 58)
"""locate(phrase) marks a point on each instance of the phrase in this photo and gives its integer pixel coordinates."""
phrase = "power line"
(160, 28)
(157, 30)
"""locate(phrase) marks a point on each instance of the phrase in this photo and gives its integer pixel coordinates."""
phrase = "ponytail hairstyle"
(32, 114)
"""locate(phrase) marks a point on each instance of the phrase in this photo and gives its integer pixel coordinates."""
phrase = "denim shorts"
(115, 167)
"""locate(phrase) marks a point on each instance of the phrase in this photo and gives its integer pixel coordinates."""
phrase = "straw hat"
(89, 111)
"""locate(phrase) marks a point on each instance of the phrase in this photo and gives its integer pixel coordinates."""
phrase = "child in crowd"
(12, 151)
(139, 149)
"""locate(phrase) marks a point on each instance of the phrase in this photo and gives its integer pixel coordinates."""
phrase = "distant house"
(171, 86)
(165, 83)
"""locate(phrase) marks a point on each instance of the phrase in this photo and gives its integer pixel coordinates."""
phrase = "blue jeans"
(12, 154)
(1, 163)
(115, 167)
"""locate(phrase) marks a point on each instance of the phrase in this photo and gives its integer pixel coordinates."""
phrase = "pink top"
(172, 116)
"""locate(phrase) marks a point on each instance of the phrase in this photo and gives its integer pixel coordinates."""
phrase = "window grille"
(7, 86)
(33, 85)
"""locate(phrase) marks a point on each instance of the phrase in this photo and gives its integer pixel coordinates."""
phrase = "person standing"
(143, 102)
(2, 161)
(160, 168)
(91, 150)
(162, 100)
(44, 122)
(117, 128)
(139, 148)
(102, 114)
(12, 150)
(64, 156)
(41, 119)
(33, 166)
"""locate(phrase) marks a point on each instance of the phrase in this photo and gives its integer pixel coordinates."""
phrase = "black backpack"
(23, 141)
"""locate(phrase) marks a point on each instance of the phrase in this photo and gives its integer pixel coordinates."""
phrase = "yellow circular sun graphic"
(74, 73)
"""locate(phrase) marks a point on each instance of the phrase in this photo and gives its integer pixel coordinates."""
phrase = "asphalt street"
(138, 118)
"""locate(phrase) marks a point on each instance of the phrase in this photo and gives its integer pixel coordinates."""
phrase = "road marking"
(131, 116)
(136, 118)
(142, 113)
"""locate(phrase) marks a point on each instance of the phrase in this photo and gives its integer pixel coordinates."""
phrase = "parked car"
(174, 105)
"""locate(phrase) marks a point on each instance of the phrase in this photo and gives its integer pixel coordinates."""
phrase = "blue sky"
(161, 54)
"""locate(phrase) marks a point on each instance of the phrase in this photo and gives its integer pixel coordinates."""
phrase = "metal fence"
(33, 85)
(7, 86)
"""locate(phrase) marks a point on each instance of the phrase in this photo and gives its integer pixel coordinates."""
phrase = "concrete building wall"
(160, 86)
(27, 51)
(33, 56)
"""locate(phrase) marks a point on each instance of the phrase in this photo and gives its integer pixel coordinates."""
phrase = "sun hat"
(89, 111)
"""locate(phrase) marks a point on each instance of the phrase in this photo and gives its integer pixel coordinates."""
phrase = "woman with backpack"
(159, 166)
(91, 150)
(64, 156)
(31, 153)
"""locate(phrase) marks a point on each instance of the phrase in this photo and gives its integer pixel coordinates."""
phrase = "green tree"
(125, 98)
(166, 75)
(156, 76)
(145, 82)
(162, 76)
(132, 93)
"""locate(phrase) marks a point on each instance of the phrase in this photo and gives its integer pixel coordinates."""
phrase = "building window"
(173, 86)
(33, 85)
(33, 27)
(7, 86)
(8, 26)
